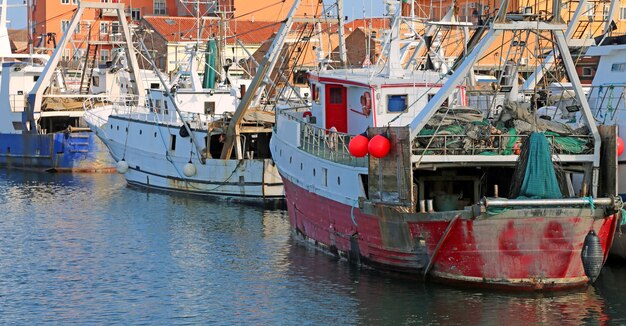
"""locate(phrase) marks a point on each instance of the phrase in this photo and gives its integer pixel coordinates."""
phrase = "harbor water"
(86, 249)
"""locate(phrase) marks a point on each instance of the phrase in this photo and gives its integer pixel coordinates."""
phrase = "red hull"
(522, 253)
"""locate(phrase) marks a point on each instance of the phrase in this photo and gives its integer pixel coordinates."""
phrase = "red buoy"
(358, 146)
(379, 146)
(620, 146)
(306, 114)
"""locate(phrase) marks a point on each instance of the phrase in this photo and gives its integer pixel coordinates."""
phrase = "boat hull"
(153, 163)
(522, 249)
(55, 152)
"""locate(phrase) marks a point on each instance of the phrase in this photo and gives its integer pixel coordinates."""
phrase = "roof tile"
(184, 29)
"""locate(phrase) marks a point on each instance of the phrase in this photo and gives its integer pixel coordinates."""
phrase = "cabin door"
(336, 108)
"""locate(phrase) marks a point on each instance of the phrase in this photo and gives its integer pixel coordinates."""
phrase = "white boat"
(43, 132)
(607, 99)
(180, 140)
(390, 169)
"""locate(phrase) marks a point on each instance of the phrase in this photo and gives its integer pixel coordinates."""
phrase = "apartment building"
(50, 19)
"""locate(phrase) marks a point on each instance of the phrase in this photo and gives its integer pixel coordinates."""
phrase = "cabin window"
(587, 71)
(336, 95)
(173, 142)
(165, 108)
(95, 81)
(35, 78)
(65, 2)
(209, 108)
(154, 85)
(622, 13)
(618, 67)
(396, 103)
(325, 176)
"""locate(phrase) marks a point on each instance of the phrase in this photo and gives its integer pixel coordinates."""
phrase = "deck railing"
(324, 143)
(126, 106)
(333, 145)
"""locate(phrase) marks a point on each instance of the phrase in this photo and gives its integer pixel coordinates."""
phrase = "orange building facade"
(272, 10)
(51, 18)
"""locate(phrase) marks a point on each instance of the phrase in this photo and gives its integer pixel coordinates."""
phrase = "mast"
(532, 80)
(342, 42)
(556, 27)
(168, 94)
(257, 85)
(29, 25)
(36, 94)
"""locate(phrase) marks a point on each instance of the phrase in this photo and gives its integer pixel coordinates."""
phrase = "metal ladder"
(509, 74)
(90, 63)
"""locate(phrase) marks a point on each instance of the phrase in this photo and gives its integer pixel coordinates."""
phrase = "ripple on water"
(86, 249)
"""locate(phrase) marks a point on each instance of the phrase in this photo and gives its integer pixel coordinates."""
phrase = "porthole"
(281, 153)
(155, 134)
(126, 129)
(338, 180)
(118, 127)
(140, 131)
(300, 166)
(290, 159)
(111, 126)
(313, 172)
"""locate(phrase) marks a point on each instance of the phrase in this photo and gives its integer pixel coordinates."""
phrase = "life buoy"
(306, 114)
(366, 103)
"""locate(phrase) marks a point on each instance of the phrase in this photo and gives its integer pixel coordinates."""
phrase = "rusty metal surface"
(390, 177)
(524, 248)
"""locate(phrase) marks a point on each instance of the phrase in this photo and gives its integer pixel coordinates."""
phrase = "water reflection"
(371, 297)
(86, 249)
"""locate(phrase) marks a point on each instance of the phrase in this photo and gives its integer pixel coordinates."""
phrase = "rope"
(443, 238)
(591, 204)
(352, 212)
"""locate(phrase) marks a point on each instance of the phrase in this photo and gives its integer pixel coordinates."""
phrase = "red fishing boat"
(390, 168)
